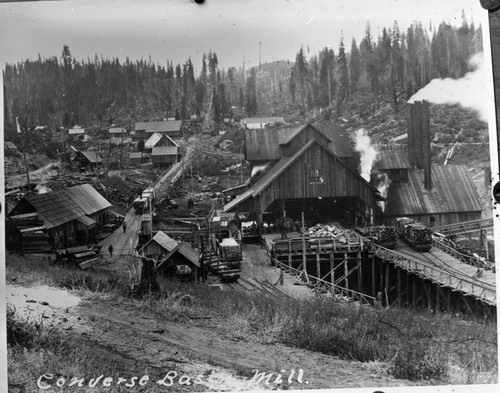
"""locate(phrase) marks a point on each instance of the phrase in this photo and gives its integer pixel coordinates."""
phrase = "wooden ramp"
(257, 264)
(443, 269)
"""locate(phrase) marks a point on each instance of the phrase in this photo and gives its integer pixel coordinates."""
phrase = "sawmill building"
(304, 170)
(431, 194)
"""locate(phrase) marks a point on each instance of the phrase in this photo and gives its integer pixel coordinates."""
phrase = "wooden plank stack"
(28, 234)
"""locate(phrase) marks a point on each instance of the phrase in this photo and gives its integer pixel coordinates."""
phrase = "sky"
(235, 30)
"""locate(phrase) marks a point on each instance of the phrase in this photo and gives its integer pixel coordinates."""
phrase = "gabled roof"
(392, 159)
(59, 207)
(88, 198)
(452, 191)
(164, 241)
(278, 169)
(155, 138)
(263, 144)
(159, 126)
(92, 156)
(171, 246)
(164, 151)
(55, 208)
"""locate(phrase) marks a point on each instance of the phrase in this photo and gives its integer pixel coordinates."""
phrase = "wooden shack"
(164, 156)
(170, 254)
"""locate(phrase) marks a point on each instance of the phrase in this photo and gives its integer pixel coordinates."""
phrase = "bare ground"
(144, 345)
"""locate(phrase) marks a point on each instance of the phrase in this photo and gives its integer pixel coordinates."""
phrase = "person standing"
(124, 227)
(110, 249)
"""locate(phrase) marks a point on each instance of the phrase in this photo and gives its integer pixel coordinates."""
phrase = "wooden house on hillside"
(72, 216)
(87, 159)
(144, 130)
(170, 254)
(164, 156)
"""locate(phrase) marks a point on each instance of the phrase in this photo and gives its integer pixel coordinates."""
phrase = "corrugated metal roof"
(392, 159)
(164, 151)
(88, 198)
(159, 126)
(452, 191)
(92, 156)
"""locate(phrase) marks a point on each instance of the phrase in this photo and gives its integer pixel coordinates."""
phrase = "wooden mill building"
(157, 140)
(431, 194)
(303, 173)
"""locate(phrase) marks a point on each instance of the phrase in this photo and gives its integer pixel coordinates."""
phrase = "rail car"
(415, 234)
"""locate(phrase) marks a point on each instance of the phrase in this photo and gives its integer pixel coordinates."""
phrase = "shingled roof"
(263, 144)
(59, 207)
(453, 191)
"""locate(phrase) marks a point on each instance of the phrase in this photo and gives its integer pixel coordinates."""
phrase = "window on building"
(315, 177)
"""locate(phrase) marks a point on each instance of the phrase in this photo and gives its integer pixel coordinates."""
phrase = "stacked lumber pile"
(82, 257)
(28, 234)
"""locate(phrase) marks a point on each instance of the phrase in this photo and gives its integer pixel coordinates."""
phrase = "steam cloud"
(363, 146)
(468, 91)
(383, 183)
(258, 168)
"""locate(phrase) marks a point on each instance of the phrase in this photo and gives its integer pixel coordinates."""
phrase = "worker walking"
(110, 249)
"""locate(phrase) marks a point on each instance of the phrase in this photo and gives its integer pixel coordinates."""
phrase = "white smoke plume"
(363, 146)
(258, 168)
(468, 91)
(383, 184)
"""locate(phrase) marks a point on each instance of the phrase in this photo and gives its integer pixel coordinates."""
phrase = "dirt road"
(222, 362)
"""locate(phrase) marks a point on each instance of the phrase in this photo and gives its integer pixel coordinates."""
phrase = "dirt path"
(225, 363)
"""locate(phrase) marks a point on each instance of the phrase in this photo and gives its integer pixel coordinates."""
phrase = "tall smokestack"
(419, 139)
(411, 135)
(426, 145)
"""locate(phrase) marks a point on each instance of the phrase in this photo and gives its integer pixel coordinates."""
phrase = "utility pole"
(25, 144)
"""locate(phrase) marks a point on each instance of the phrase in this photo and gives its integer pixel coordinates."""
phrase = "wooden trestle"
(373, 274)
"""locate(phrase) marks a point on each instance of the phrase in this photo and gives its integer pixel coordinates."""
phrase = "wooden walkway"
(124, 243)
